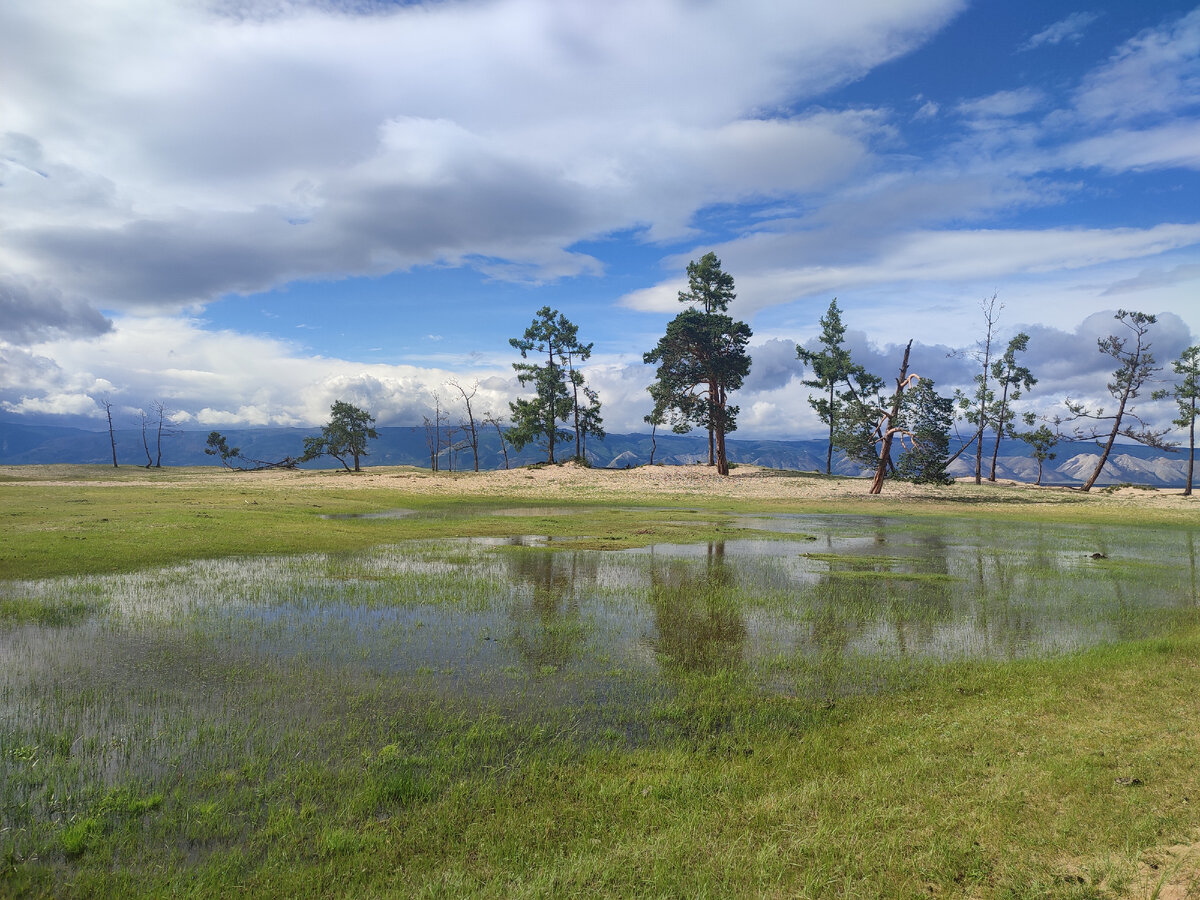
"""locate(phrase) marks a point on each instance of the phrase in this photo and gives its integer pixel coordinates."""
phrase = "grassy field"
(170, 759)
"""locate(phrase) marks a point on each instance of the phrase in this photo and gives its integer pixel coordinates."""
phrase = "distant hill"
(22, 444)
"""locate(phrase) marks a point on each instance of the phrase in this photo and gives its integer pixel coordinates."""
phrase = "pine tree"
(702, 359)
(926, 418)
(833, 368)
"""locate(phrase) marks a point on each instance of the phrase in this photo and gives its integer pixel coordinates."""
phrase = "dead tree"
(888, 429)
(433, 432)
(163, 429)
(112, 437)
(491, 419)
(145, 440)
(468, 424)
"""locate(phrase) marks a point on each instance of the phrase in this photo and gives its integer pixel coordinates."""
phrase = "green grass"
(169, 757)
(978, 780)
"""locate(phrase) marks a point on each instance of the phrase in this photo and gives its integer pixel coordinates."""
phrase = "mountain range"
(22, 444)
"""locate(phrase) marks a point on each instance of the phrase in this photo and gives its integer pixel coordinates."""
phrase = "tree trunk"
(957, 453)
(999, 430)
(716, 432)
(112, 438)
(1187, 489)
(885, 452)
(1112, 439)
(829, 452)
(653, 441)
(722, 459)
(146, 443)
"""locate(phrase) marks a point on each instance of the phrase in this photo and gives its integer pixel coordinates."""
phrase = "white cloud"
(1002, 104)
(1176, 145)
(199, 150)
(1155, 73)
(258, 381)
(1069, 29)
(781, 272)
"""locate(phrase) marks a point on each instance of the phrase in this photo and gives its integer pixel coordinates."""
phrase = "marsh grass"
(897, 708)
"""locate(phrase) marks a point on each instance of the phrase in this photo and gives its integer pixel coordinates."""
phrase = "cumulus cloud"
(30, 310)
(250, 144)
(216, 378)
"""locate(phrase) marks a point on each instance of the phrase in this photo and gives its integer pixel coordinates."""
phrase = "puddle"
(381, 514)
(508, 625)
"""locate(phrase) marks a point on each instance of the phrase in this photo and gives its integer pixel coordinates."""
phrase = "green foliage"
(833, 368)
(1041, 443)
(218, 446)
(1013, 380)
(701, 359)
(709, 287)
(926, 417)
(537, 419)
(1135, 367)
(346, 435)
(1186, 394)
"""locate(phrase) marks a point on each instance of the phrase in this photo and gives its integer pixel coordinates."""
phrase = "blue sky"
(251, 208)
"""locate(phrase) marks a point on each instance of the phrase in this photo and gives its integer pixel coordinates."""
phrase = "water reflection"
(698, 622)
(818, 611)
(545, 626)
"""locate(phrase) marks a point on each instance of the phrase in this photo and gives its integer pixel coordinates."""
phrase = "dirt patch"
(1169, 873)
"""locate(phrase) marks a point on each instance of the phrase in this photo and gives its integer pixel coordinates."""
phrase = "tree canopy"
(556, 386)
(344, 437)
(702, 359)
(833, 368)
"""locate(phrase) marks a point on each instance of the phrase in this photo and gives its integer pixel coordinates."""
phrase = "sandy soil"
(570, 481)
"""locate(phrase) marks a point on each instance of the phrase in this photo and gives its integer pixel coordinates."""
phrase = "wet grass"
(935, 707)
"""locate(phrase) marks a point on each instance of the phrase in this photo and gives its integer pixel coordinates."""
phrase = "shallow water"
(213, 663)
(495, 611)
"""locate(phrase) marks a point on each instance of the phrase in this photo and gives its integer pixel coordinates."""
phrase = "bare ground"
(652, 483)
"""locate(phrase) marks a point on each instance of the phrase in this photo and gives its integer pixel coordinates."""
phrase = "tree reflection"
(546, 628)
(697, 616)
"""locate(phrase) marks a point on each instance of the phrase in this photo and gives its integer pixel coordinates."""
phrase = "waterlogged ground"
(357, 682)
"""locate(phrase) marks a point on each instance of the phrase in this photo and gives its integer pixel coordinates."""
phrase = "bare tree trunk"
(653, 440)
(146, 443)
(718, 432)
(829, 452)
(1001, 413)
(1187, 488)
(112, 438)
(503, 442)
(989, 315)
(160, 411)
(888, 428)
(978, 436)
(470, 423)
(1112, 439)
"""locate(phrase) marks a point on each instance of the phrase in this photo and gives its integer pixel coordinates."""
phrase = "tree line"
(702, 359)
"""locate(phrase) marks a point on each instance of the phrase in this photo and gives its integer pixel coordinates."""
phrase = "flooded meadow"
(356, 684)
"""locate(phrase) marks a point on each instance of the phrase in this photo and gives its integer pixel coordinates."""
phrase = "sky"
(248, 209)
